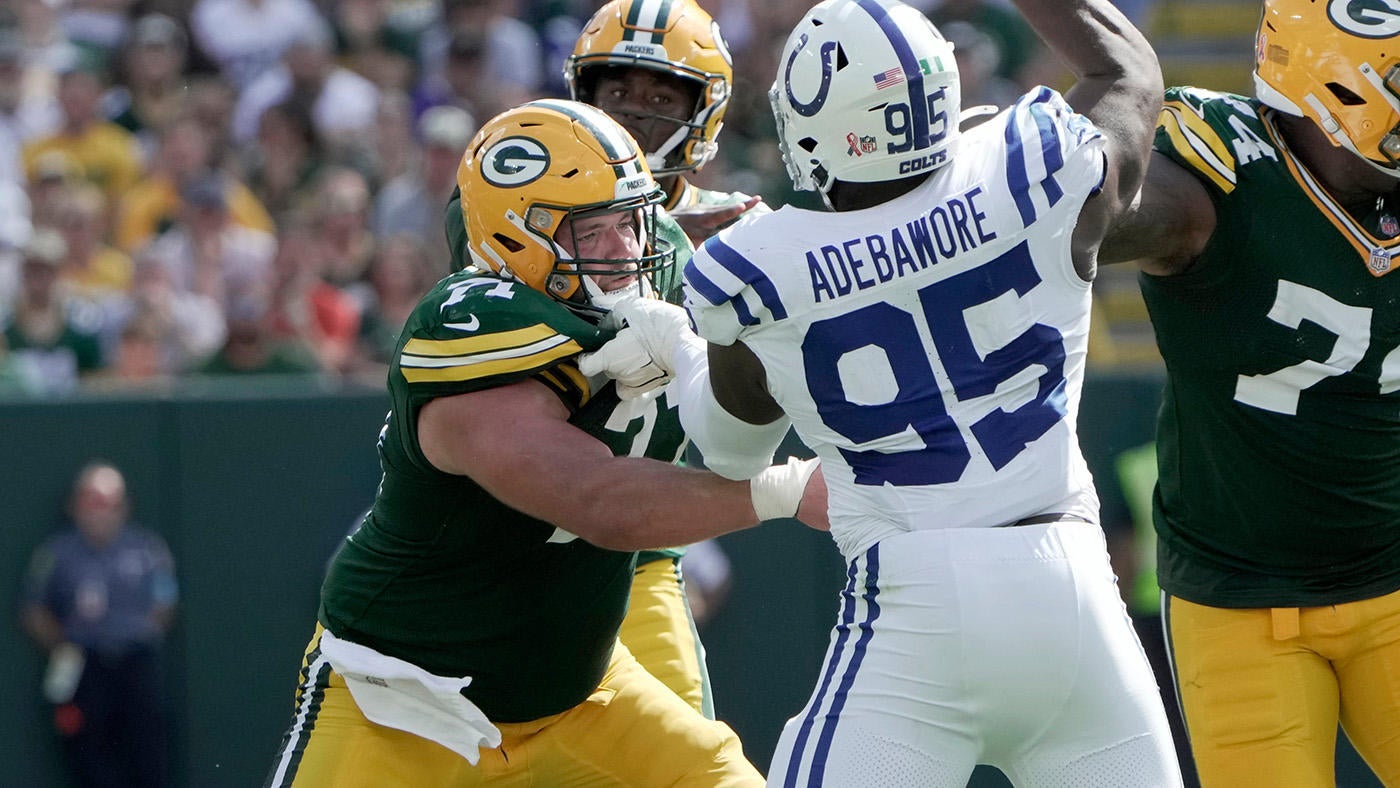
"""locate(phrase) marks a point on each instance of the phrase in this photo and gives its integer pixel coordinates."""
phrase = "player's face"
(642, 100)
(609, 236)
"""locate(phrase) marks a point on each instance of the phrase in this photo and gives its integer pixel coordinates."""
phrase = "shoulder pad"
(1202, 129)
(482, 330)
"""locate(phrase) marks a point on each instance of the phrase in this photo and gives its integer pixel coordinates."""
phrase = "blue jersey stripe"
(833, 716)
(848, 614)
(1018, 167)
(748, 273)
(1017, 181)
(913, 74)
(715, 294)
(1050, 151)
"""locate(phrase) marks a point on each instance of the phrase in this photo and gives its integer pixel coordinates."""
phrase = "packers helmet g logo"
(1366, 18)
(514, 161)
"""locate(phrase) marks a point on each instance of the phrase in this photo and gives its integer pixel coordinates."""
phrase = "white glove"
(625, 359)
(642, 355)
(777, 490)
(660, 327)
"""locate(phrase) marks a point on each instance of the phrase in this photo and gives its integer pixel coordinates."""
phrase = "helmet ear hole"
(508, 242)
(1345, 94)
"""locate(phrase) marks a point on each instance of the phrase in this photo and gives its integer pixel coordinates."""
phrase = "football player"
(926, 338)
(1267, 236)
(467, 632)
(662, 70)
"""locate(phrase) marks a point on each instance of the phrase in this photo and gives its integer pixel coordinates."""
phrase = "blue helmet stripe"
(913, 74)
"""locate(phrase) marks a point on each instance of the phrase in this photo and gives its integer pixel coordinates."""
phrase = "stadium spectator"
(101, 152)
(400, 274)
(99, 599)
(341, 223)
(342, 103)
(308, 310)
(151, 91)
(248, 37)
(154, 204)
(394, 152)
(464, 80)
(1268, 269)
(285, 165)
(184, 328)
(26, 113)
(413, 202)
(208, 253)
(53, 338)
(253, 347)
(91, 269)
(1021, 56)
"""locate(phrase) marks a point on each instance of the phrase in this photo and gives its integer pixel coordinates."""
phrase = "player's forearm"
(636, 504)
(1094, 40)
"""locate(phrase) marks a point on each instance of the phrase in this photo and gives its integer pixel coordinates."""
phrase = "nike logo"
(470, 325)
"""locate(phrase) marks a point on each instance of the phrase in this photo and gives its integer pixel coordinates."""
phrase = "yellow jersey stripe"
(434, 362)
(1195, 124)
(477, 369)
(486, 342)
(1196, 151)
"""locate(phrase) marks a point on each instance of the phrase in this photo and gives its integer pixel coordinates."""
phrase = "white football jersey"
(930, 349)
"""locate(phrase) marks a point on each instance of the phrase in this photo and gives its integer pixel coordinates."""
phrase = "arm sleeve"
(732, 447)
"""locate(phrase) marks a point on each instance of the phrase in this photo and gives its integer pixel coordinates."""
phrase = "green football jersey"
(450, 579)
(1279, 432)
(668, 285)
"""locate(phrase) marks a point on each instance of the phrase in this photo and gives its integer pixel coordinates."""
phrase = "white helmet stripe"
(648, 15)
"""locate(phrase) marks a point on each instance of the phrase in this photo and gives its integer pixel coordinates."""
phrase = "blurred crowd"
(258, 186)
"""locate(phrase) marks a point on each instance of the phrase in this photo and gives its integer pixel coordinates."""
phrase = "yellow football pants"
(1262, 690)
(660, 633)
(632, 731)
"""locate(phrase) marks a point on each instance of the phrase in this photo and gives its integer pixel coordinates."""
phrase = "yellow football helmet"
(674, 37)
(533, 168)
(1336, 62)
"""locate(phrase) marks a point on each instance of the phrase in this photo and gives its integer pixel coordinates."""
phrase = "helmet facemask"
(580, 282)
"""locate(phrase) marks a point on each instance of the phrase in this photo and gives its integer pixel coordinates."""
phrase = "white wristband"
(777, 491)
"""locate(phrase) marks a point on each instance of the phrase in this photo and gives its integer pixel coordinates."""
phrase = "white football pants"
(1005, 646)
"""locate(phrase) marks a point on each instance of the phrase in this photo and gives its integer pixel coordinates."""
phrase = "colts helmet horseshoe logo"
(514, 161)
(1366, 18)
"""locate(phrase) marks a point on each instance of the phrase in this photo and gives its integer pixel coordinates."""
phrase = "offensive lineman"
(467, 633)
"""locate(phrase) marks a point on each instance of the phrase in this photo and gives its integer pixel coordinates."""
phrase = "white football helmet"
(867, 90)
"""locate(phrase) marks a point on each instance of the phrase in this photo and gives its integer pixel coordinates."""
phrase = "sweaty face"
(609, 236)
(645, 102)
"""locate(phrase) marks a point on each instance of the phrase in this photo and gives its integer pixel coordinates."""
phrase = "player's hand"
(625, 359)
(660, 327)
(702, 221)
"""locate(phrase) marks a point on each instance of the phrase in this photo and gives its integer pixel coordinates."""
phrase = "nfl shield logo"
(1389, 226)
(1380, 260)
(867, 144)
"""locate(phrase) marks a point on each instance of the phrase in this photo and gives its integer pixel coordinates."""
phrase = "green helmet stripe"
(600, 126)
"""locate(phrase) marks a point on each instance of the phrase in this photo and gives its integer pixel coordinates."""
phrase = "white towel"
(399, 695)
